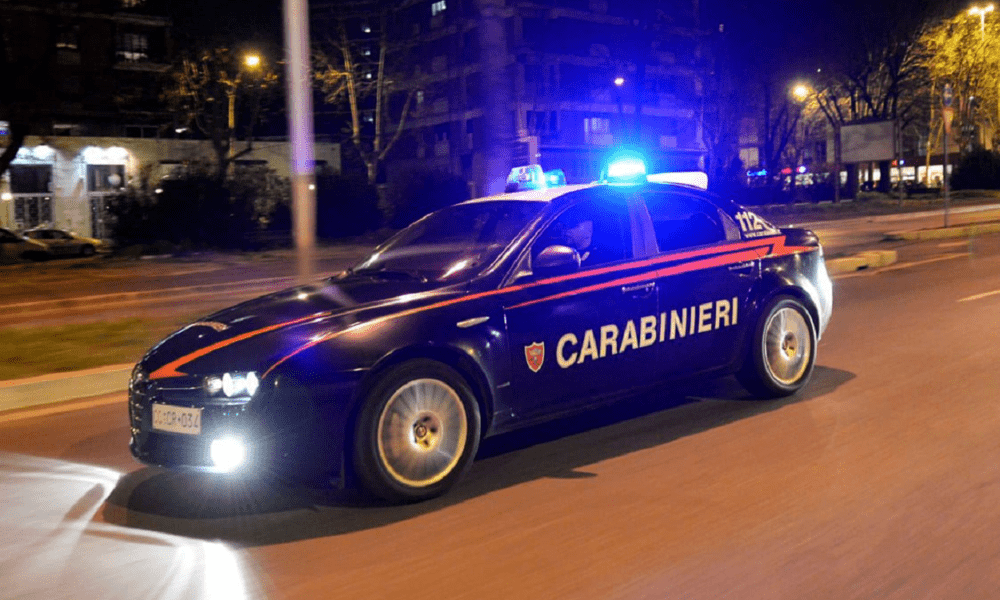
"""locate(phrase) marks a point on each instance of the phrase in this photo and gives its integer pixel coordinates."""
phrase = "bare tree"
(219, 91)
(377, 103)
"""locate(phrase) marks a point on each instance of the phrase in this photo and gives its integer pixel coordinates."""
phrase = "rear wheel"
(417, 432)
(783, 350)
(86, 250)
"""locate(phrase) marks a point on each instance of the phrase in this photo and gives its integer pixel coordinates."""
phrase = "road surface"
(880, 481)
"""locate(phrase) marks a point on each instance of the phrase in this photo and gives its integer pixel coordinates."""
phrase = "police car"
(481, 318)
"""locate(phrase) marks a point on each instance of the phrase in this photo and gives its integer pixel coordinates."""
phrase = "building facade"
(577, 79)
(65, 181)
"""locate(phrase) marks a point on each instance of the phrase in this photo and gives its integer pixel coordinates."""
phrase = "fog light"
(228, 453)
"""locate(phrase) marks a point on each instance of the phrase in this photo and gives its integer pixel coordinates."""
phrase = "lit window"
(133, 46)
(438, 8)
(69, 38)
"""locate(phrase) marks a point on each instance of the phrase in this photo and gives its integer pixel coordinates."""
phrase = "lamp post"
(252, 61)
(619, 82)
(980, 11)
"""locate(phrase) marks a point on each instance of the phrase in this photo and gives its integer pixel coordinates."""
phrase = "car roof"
(543, 195)
(550, 194)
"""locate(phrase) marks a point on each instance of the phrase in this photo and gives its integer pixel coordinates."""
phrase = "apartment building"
(577, 79)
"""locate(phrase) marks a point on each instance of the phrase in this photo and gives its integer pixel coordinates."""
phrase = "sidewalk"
(60, 387)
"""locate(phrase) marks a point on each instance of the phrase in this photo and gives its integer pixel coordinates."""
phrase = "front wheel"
(417, 432)
(783, 350)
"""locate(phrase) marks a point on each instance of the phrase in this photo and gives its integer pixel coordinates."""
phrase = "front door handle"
(743, 267)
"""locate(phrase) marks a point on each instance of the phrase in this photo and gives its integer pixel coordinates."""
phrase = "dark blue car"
(481, 318)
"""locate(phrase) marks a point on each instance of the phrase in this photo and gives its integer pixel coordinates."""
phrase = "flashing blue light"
(802, 169)
(555, 178)
(626, 168)
(761, 173)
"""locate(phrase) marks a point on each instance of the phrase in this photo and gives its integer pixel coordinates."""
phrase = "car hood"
(255, 334)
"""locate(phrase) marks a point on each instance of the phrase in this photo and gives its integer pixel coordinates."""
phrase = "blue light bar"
(626, 168)
(528, 177)
(555, 178)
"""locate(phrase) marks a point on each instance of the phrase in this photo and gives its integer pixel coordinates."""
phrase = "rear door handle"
(639, 289)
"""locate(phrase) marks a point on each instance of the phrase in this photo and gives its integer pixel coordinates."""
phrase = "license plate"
(177, 419)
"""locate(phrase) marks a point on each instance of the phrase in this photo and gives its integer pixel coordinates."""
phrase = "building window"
(132, 3)
(438, 8)
(597, 130)
(133, 47)
(69, 39)
(105, 178)
(31, 186)
(31, 179)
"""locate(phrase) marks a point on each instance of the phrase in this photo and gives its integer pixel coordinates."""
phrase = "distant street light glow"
(977, 11)
(801, 92)
(252, 60)
(619, 81)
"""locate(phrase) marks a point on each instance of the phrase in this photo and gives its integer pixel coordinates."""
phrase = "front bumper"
(283, 428)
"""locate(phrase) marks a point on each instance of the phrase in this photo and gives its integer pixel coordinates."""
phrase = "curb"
(943, 232)
(871, 259)
(59, 387)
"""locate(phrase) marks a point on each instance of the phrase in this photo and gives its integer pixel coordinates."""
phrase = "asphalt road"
(881, 480)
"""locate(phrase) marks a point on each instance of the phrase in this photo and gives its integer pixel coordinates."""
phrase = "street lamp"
(977, 11)
(800, 92)
(253, 62)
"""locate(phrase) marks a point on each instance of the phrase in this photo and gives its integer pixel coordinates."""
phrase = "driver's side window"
(600, 233)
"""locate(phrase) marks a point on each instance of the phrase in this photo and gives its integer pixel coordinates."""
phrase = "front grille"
(218, 416)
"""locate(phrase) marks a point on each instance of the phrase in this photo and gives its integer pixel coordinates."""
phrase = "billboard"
(867, 142)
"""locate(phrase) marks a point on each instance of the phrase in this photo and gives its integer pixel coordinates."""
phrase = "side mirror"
(556, 260)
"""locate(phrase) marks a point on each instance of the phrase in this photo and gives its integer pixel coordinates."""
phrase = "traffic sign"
(947, 95)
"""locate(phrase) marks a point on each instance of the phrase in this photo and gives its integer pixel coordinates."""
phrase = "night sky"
(224, 21)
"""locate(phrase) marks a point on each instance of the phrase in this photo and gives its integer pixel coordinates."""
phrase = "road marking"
(871, 272)
(979, 296)
(953, 244)
(70, 406)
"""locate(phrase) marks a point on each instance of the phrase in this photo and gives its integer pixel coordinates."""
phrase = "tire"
(86, 250)
(417, 432)
(782, 350)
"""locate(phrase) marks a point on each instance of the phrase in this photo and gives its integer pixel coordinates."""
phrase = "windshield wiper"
(385, 273)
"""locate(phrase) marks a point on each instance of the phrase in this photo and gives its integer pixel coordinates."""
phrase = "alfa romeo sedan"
(481, 318)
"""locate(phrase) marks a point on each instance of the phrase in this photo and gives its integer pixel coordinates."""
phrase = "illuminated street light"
(801, 92)
(252, 60)
(619, 81)
(977, 11)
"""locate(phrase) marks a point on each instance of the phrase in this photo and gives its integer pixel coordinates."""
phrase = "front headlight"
(232, 384)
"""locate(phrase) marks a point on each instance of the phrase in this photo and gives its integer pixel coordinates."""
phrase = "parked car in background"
(65, 243)
(17, 247)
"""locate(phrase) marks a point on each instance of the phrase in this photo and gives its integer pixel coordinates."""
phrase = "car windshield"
(452, 244)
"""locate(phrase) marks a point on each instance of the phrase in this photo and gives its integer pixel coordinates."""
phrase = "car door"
(705, 274)
(579, 336)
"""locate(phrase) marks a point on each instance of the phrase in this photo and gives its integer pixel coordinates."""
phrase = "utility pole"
(946, 114)
(300, 130)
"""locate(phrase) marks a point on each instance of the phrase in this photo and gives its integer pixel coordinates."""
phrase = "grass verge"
(31, 351)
